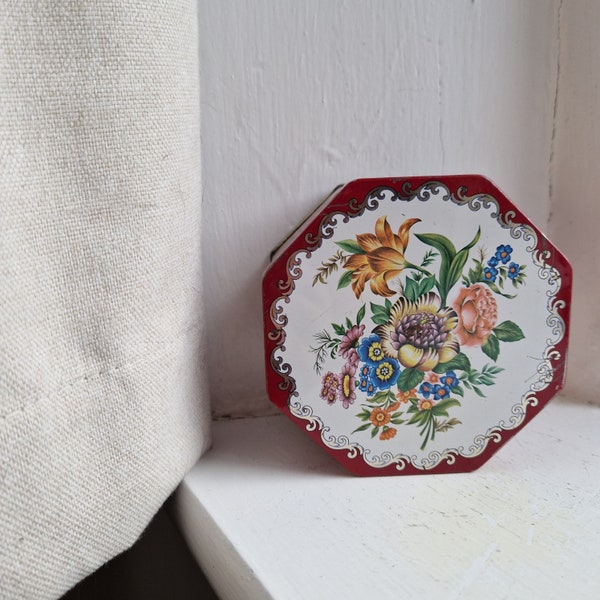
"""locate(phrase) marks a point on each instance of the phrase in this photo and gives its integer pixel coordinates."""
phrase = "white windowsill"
(268, 514)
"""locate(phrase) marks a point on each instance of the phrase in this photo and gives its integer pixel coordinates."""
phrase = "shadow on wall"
(300, 97)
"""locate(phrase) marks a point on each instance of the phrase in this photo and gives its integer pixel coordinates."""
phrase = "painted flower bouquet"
(408, 363)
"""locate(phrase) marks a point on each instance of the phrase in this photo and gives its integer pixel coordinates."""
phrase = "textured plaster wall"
(300, 96)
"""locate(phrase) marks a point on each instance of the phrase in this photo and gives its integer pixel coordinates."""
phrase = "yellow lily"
(383, 257)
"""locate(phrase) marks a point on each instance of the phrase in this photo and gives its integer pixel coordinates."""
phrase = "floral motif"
(350, 340)
(385, 373)
(347, 385)
(331, 387)
(412, 367)
(449, 379)
(440, 392)
(477, 312)
(380, 257)
(404, 397)
(426, 389)
(371, 351)
(365, 381)
(353, 358)
(380, 417)
(420, 334)
(425, 404)
(503, 253)
(513, 270)
(490, 273)
(388, 433)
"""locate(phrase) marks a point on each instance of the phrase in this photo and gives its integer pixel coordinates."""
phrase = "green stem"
(417, 268)
(438, 285)
(426, 431)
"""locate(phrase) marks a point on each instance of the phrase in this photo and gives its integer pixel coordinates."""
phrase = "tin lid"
(414, 325)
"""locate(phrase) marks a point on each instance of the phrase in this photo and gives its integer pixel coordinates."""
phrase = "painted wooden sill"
(268, 514)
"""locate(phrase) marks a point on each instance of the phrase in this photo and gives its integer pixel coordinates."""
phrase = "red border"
(340, 203)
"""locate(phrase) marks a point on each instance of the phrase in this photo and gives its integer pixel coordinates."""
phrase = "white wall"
(575, 217)
(298, 96)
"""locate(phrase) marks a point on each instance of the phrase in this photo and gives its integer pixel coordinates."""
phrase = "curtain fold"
(103, 395)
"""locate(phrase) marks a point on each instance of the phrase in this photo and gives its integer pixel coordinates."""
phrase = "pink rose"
(477, 314)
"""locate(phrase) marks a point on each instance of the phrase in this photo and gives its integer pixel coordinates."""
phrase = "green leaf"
(380, 397)
(361, 314)
(472, 243)
(478, 391)
(447, 252)
(508, 331)
(339, 329)
(446, 425)
(381, 314)
(460, 362)
(491, 347)
(439, 242)
(445, 405)
(345, 280)
(411, 290)
(425, 286)
(379, 320)
(496, 290)
(459, 261)
(374, 432)
(362, 427)
(428, 258)
(491, 369)
(348, 323)
(456, 267)
(350, 246)
(409, 379)
(413, 405)
(421, 417)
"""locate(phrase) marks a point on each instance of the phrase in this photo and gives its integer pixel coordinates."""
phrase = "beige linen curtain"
(103, 402)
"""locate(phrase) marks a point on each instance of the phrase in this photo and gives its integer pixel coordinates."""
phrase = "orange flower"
(382, 259)
(380, 417)
(388, 433)
(433, 378)
(404, 397)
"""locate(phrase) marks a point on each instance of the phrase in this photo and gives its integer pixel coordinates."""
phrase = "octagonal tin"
(414, 325)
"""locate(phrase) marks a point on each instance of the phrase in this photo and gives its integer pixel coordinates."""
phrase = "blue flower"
(364, 380)
(425, 389)
(366, 384)
(503, 253)
(370, 350)
(385, 373)
(513, 270)
(493, 262)
(490, 274)
(440, 392)
(450, 379)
